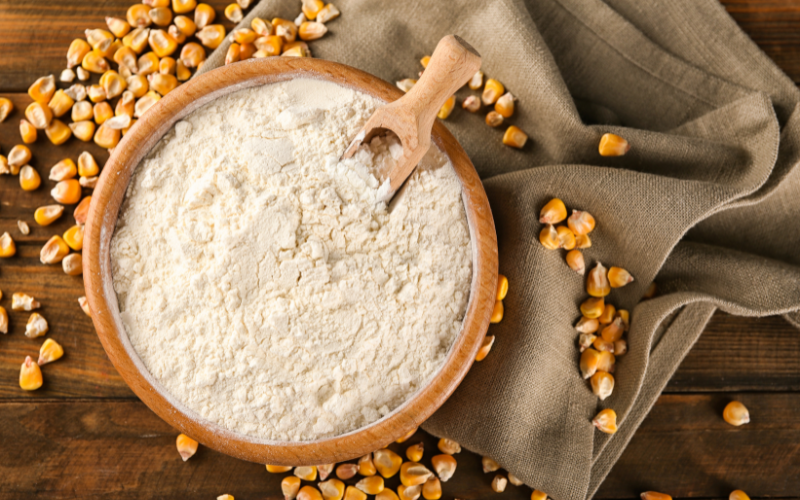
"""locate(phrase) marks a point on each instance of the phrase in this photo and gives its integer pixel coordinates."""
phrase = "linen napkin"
(706, 203)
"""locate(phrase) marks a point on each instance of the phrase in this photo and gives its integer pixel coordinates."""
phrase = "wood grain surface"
(85, 435)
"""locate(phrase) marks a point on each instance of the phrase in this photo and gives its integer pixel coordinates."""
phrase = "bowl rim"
(104, 209)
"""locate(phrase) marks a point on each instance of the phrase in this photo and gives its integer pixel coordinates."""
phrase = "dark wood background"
(85, 435)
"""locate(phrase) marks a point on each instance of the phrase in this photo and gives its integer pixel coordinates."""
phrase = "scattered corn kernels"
(447, 108)
(476, 81)
(325, 470)
(514, 480)
(492, 91)
(30, 375)
(406, 84)
(387, 463)
(67, 192)
(613, 331)
(489, 465)
(608, 315)
(736, 413)
(42, 89)
(58, 132)
(17, 157)
(618, 277)
(54, 251)
(581, 222)
(353, 493)
(309, 493)
(39, 115)
(566, 238)
(409, 492)
(606, 361)
(505, 105)
(553, 212)
(332, 489)
(311, 31)
(46, 215)
(497, 312)
(471, 104)
(36, 327)
(346, 471)
(83, 130)
(738, 495)
(327, 13)
(654, 495)
(576, 262)
(602, 385)
(502, 287)
(585, 340)
(494, 119)
(445, 466)
(3, 320)
(499, 483)
(366, 467)
(7, 246)
(538, 495)
(548, 237)
(72, 264)
(590, 359)
(29, 179)
(24, 302)
(306, 472)
(212, 35)
(183, 6)
(613, 145)
(106, 137)
(119, 27)
(597, 282)
(407, 436)
(234, 13)
(413, 474)
(24, 229)
(415, 452)
(606, 421)
(486, 347)
(593, 307)
(620, 347)
(515, 137)
(187, 446)
(603, 345)
(371, 485)
(6, 107)
(290, 485)
(278, 469)
(27, 132)
(587, 325)
(432, 489)
(582, 241)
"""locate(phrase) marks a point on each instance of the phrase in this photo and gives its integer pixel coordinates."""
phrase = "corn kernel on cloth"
(706, 203)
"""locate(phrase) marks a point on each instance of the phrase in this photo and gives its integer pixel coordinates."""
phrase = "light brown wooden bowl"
(106, 201)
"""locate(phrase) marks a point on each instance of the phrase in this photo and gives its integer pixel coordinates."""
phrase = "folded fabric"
(705, 203)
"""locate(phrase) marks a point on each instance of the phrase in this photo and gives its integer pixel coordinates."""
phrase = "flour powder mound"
(263, 285)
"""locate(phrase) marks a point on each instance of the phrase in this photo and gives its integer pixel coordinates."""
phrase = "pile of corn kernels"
(494, 97)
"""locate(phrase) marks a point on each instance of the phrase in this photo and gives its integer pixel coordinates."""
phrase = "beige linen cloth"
(706, 203)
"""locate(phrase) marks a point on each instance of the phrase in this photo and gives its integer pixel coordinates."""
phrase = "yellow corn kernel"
(73, 237)
(30, 375)
(548, 237)
(353, 493)
(407, 436)
(486, 347)
(161, 16)
(36, 327)
(17, 157)
(277, 469)
(590, 359)
(244, 35)
(162, 43)
(365, 465)
(60, 103)
(137, 39)
(606, 362)
(738, 495)
(311, 31)
(43, 89)
(409, 492)
(49, 352)
(67, 192)
(514, 480)
(346, 471)
(602, 384)
(413, 474)
(371, 485)
(183, 6)
(448, 446)
(119, 27)
(65, 169)
(261, 27)
(424, 61)
(125, 106)
(499, 483)
(246, 51)
(24, 229)
(95, 62)
(109, 52)
(102, 111)
(185, 25)
(225, 497)
(3, 320)
(306, 472)
(606, 421)
(309, 493)
(620, 347)
(290, 485)
(138, 16)
(66, 76)
(54, 251)
(566, 238)
(587, 325)
(96, 93)
(163, 84)
(415, 452)
(269, 45)
(6, 107)
(406, 84)
(312, 7)
(39, 115)
(538, 495)
(91, 182)
(44, 216)
(585, 340)
(182, 73)
(106, 137)
(476, 81)
(327, 13)
(582, 241)
(7, 246)
(325, 470)
(234, 13)
(113, 84)
(333, 489)
(613, 145)
(736, 413)
(138, 85)
(187, 446)
(581, 222)
(597, 282)
(27, 131)
(58, 132)
(613, 331)
(489, 465)
(83, 130)
(497, 312)
(502, 287)
(387, 494)
(492, 91)
(576, 262)
(232, 55)
(295, 50)
(625, 316)
(494, 119)
(515, 137)
(618, 277)
(29, 179)
(24, 302)
(505, 105)
(145, 102)
(285, 29)
(72, 264)
(212, 35)
(445, 466)
(447, 108)
(603, 345)
(608, 315)
(176, 34)
(204, 15)
(99, 39)
(77, 51)
(387, 463)
(471, 104)
(553, 212)
(432, 489)
(654, 495)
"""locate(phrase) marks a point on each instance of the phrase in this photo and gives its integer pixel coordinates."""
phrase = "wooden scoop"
(412, 116)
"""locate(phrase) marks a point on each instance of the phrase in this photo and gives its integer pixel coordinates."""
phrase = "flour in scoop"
(261, 283)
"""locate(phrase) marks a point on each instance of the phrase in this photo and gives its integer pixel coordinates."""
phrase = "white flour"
(262, 285)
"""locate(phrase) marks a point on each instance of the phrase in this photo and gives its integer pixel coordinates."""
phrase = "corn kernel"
(494, 119)
(60, 103)
(67, 192)
(7, 246)
(58, 132)
(447, 108)
(49, 352)
(449, 446)
(587, 325)
(738, 495)
(102, 111)
(514, 480)
(365, 465)
(72, 264)
(353, 493)
(137, 39)
(332, 489)
(548, 237)
(654, 495)
(112, 48)
(736, 413)
(497, 312)
(17, 157)
(492, 91)
(603, 345)
(414, 452)
(625, 316)
(204, 15)
(620, 347)
(138, 16)
(29, 179)
(445, 466)
(77, 51)
(405, 84)
(309, 493)
(30, 375)
(183, 6)
(36, 327)
(161, 16)
(306, 472)
(613, 331)
(311, 8)
(606, 362)
(96, 93)
(409, 492)
(502, 287)
(67, 76)
(120, 122)
(113, 84)
(413, 474)
(83, 130)
(585, 340)
(244, 35)
(553, 212)
(261, 27)
(476, 81)
(538, 495)
(162, 43)
(106, 137)
(65, 169)
(566, 238)
(82, 74)
(177, 34)
(234, 13)
(163, 84)
(505, 105)
(346, 471)
(54, 251)
(285, 29)
(387, 494)
(515, 137)
(371, 485)
(311, 31)
(407, 436)
(24, 229)
(489, 465)
(138, 85)
(486, 347)
(432, 489)
(94, 62)
(327, 13)
(187, 446)
(3, 320)
(597, 282)
(99, 39)
(119, 27)
(39, 115)
(471, 104)
(126, 105)
(246, 51)
(212, 35)
(618, 277)
(613, 145)
(24, 302)
(293, 50)
(27, 132)
(232, 55)
(4, 168)
(387, 463)
(608, 315)
(290, 485)
(590, 359)
(576, 262)
(182, 73)
(278, 469)
(225, 497)
(581, 222)
(145, 102)
(73, 237)
(606, 421)
(499, 483)
(43, 89)
(602, 384)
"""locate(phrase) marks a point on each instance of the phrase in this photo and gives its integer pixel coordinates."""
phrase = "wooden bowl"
(109, 194)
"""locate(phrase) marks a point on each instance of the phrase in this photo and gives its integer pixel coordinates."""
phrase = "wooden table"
(85, 434)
